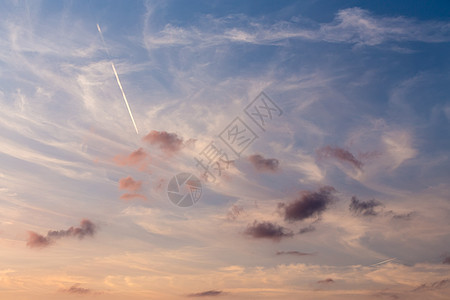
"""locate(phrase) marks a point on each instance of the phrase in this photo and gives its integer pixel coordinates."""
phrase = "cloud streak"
(294, 252)
(339, 154)
(210, 293)
(87, 228)
(351, 25)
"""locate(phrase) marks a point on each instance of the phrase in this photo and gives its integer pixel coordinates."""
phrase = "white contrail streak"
(124, 97)
(118, 80)
(383, 262)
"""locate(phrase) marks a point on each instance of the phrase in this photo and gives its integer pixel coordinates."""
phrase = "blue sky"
(343, 195)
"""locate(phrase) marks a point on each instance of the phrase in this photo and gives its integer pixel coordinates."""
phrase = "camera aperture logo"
(184, 189)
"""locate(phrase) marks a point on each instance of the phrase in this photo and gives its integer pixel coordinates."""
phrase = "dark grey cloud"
(307, 229)
(267, 230)
(364, 208)
(207, 293)
(446, 260)
(326, 281)
(87, 228)
(168, 142)
(309, 204)
(433, 286)
(264, 164)
(404, 217)
(35, 240)
(77, 290)
(339, 154)
(296, 253)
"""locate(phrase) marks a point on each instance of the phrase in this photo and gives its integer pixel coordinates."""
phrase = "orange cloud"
(129, 184)
(131, 196)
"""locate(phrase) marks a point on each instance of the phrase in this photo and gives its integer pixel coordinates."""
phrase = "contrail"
(118, 80)
(124, 97)
(383, 262)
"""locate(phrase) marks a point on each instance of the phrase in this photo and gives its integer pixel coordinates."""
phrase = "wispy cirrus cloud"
(351, 25)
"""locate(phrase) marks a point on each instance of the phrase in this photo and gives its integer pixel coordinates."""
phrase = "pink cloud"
(138, 158)
(339, 154)
(129, 184)
(131, 196)
(168, 142)
(35, 240)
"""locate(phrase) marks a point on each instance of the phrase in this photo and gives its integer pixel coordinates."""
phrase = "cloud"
(351, 26)
(267, 230)
(207, 293)
(309, 204)
(326, 281)
(138, 158)
(131, 196)
(307, 229)
(35, 240)
(168, 142)
(77, 290)
(364, 208)
(297, 253)
(264, 164)
(234, 212)
(339, 154)
(433, 286)
(446, 260)
(404, 217)
(130, 184)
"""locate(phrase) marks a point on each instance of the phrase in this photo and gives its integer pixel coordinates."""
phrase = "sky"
(224, 150)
